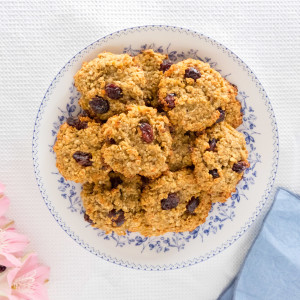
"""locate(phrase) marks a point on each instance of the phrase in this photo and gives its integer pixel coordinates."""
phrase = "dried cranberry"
(2, 268)
(212, 144)
(166, 64)
(240, 167)
(99, 105)
(192, 204)
(113, 91)
(117, 216)
(171, 202)
(147, 132)
(170, 100)
(75, 122)
(192, 73)
(214, 173)
(83, 158)
(222, 115)
(112, 213)
(87, 218)
(115, 181)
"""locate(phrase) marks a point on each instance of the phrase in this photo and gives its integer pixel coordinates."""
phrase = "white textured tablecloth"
(38, 37)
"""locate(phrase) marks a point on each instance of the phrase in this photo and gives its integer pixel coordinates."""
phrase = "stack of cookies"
(155, 145)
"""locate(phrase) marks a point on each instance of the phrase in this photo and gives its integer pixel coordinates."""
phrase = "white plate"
(226, 222)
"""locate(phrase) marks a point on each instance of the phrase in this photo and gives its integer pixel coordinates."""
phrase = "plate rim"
(211, 253)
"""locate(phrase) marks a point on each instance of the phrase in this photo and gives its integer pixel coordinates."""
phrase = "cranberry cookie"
(194, 95)
(137, 143)
(174, 203)
(108, 83)
(220, 159)
(78, 151)
(114, 205)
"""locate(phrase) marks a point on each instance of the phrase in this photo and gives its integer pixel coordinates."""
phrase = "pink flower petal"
(14, 242)
(4, 205)
(12, 275)
(42, 274)
(39, 293)
(32, 270)
(9, 260)
(30, 263)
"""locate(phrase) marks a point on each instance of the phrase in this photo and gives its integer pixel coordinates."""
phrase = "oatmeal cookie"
(138, 143)
(153, 64)
(194, 95)
(182, 144)
(108, 83)
(78, 151)
(174, 203)
(220, 158)
(115, 204)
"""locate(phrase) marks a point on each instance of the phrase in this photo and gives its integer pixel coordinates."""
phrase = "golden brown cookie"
(138, 143)
(115, 204)
(78, 151)
(194, 95)
(220, 158)
(108, 83)
(174, 203)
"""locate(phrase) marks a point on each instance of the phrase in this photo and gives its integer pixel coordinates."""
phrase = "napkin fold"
(272, 267)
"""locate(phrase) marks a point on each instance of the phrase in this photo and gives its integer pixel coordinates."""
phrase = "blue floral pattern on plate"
(220, 214)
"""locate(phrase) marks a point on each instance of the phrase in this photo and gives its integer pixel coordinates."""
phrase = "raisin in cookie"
(101, 107)
(194, 95)
(78, 151)
(153, 64)
(174, 203)
(115, 204)
(182, 144)
(138, 143)
(220, 158)
(108, 80)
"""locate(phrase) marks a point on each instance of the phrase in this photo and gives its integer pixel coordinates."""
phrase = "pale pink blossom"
(22, 279)
(12, 246)
(27, 282)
